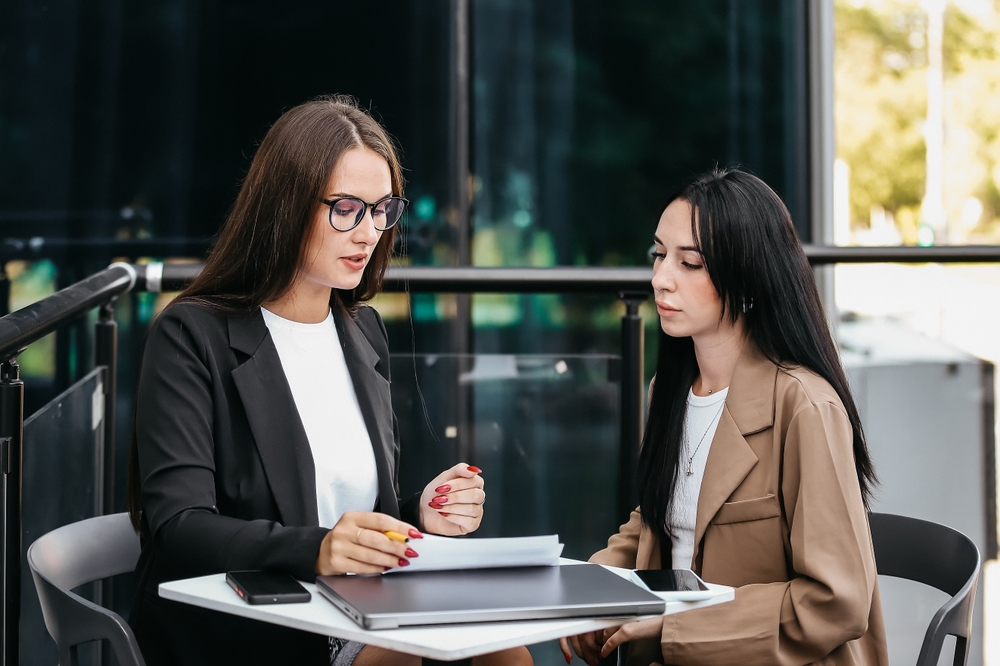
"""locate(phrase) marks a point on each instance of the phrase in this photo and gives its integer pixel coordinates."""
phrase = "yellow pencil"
(396, 536)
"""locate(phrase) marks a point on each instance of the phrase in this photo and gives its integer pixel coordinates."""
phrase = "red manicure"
(404, 563)
(411, 553)
(474, 469)
(442, 489)
(568, 658)
(444, 514)
(440, 499)
(415, 534)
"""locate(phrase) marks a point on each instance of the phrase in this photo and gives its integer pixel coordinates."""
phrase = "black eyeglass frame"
(365, 207)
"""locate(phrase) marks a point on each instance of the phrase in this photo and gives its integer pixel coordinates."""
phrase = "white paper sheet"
(437, 552)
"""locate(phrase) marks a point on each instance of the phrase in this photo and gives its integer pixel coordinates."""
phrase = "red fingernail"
(444, 514)
(568, 658)
(442, 489)
(415, 534)
(404, 563)
(411, 553)
(473, 469)
(386, 568)
(441, 499)
(435, 505)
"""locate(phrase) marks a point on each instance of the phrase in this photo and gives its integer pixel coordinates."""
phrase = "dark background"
(123, 122)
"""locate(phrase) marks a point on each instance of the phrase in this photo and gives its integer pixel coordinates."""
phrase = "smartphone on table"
(672, 584)
(267, 587)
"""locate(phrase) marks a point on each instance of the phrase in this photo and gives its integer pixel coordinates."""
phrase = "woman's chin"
(347, 283)
(673, 330)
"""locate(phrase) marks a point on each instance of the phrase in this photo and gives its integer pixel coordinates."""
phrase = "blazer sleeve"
(177, 460)
(623, 547)
(828, 601)
(371, 324)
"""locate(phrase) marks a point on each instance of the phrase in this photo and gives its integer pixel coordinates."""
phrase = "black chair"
(74, 555)
(938, 556)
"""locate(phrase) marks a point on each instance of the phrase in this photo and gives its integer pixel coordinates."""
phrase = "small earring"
(747, 307)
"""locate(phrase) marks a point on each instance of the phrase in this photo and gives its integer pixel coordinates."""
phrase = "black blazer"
(227, 475)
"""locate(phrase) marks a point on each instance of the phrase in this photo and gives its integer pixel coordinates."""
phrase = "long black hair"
(750, 250)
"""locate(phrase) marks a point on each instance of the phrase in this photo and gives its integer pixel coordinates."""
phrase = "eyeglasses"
(347, 212)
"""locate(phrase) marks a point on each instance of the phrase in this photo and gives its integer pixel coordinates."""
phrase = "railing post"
(11, 436)
(106, 354)
(632, 398)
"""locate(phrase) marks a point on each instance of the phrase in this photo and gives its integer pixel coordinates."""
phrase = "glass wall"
(587, 114)
(124, 122)
(533, 133)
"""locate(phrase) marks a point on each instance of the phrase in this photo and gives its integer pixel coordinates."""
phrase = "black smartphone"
(680, 584)
(267, 587)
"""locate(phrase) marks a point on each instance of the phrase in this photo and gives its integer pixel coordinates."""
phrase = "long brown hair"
(261, 244)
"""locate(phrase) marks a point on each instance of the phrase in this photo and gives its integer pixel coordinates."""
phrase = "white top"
(700, 423)
(313, 361)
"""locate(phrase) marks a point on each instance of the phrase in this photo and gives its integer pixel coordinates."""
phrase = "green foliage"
(965, 38)
(881, 105)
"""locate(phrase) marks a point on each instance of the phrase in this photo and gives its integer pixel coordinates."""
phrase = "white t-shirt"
(700, 423)
(313, 361)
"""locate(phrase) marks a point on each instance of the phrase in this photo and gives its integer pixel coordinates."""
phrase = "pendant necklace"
(687, 435)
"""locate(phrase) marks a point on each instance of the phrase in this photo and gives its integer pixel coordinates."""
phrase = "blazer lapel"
(729, 461)
(749, 409)
(372, 391)
(274, 421)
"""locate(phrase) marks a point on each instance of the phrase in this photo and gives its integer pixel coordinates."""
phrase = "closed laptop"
(486, 595)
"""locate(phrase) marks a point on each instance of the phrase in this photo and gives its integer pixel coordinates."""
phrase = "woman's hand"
(452, 503)
(587, 646)
(596, 645)
(358, 544)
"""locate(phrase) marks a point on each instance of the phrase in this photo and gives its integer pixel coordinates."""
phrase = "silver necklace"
(687, 435)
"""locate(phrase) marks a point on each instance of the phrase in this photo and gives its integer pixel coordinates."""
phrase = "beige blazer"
(781, 519)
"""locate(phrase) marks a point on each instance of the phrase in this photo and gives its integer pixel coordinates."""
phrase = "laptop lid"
(486, 595)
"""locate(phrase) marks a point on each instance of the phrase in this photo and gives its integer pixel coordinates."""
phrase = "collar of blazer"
(749, 409)
(277, 429)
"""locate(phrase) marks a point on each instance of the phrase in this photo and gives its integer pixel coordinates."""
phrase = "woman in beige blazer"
(754, 470)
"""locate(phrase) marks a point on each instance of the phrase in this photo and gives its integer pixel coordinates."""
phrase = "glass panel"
(175, 104)
(586, 113)
(62, 463)
(544, 429)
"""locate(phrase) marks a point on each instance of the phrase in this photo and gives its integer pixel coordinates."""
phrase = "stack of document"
(437, 553)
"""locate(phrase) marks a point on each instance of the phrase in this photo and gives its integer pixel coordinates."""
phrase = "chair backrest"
(938, 556)
(74, 555)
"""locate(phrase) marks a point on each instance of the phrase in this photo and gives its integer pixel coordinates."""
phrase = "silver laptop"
(486, 595)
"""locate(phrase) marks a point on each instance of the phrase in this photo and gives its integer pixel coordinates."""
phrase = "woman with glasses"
(264, 436)
(754, 470)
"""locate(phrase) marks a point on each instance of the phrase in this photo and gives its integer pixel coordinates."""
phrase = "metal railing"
(21, 328)
(17, 331)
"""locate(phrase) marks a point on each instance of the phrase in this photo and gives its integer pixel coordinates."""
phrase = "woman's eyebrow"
(682, 248)
(354, 196)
